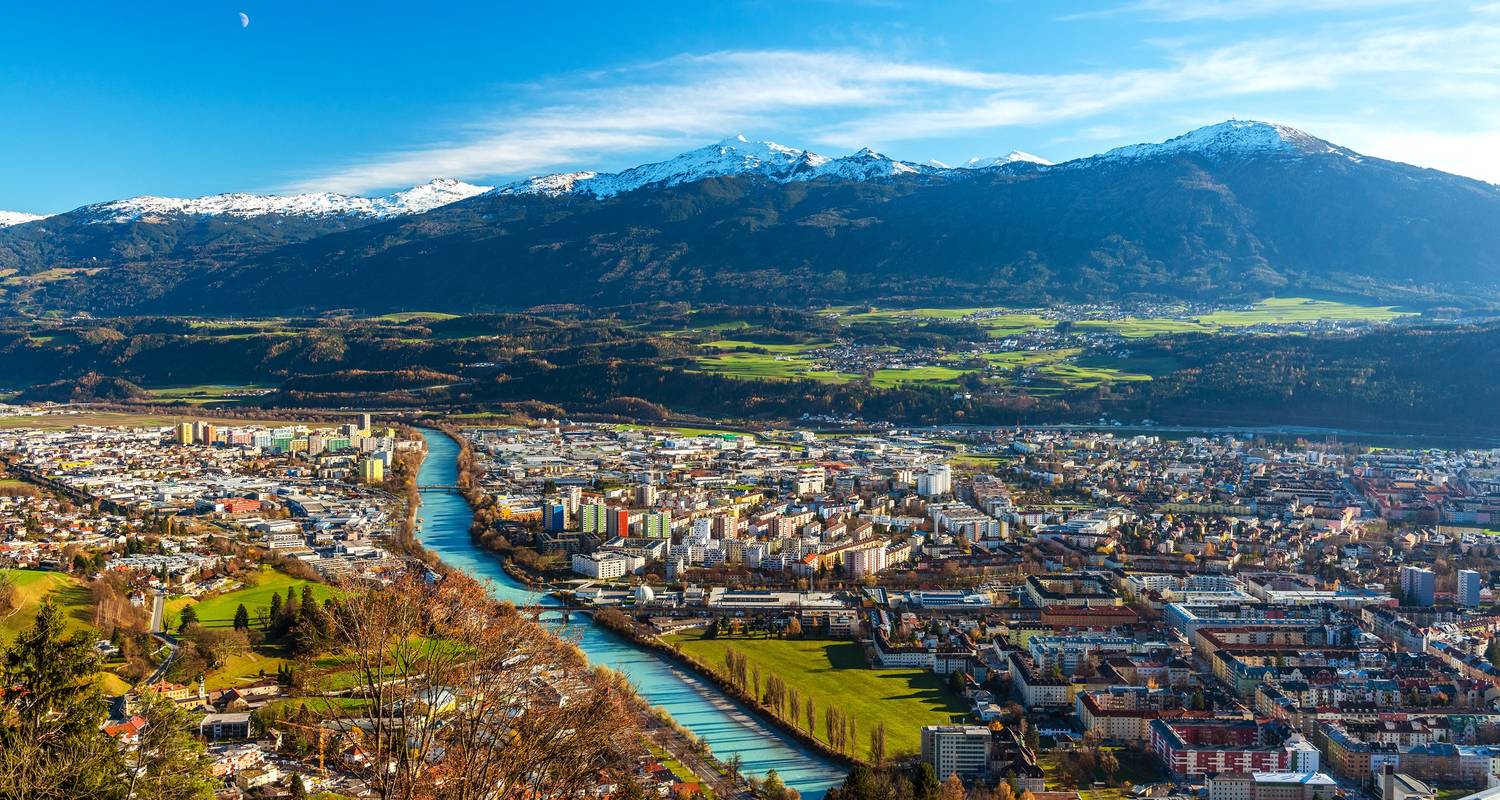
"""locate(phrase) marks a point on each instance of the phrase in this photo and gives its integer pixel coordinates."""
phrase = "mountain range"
(1233, 211)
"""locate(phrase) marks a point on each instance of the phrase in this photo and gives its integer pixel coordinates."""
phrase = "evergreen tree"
(189, 616)
(925, 784)
(275, 611)
(299, 789)
(50, 716)
(241, 618)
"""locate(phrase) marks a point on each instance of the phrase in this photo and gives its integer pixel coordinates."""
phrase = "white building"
(600, 566)
(937, 481)
(962, 750)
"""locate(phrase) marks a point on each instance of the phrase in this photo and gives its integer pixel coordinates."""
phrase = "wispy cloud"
(854, 98)
(683, 100)
(1459, 61)
(1231, 10)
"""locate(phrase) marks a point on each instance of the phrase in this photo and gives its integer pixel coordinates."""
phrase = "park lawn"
(834, 674)
(1137, 767)
(979, 461)
(218, 611)
(32, 587)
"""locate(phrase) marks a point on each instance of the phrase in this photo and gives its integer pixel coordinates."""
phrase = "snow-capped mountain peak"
(9, 218)
(415, 200)
(736, 155)
(1233, 137)
(1013, 157)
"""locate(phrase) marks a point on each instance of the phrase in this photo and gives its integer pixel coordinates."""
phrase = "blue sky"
(110, 100)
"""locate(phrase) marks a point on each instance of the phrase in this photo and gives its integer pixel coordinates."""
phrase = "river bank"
(728, 726)
(641, 637)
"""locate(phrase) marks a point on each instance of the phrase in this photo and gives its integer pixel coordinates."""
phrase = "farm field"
(781, 349)
(886, 378)
(205, 393)
(834, 674)
(767, 367)
(1287, 310)
(1271, 311)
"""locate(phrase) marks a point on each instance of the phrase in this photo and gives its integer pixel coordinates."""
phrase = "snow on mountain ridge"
(1013, 157)
(9, 218)
(416, 200)
(1233, 137)
(733, 156)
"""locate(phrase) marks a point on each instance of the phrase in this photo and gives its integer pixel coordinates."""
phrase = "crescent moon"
(244, 20)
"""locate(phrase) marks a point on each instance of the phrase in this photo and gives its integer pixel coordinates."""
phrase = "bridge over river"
(726, 726)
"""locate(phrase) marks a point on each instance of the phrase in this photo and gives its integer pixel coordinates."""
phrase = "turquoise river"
(728, 728)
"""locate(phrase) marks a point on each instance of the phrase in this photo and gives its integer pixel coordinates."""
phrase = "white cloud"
(851, 99)
(678, 102)
(1233, 10)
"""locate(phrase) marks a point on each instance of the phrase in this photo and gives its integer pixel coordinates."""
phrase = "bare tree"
(468, 699)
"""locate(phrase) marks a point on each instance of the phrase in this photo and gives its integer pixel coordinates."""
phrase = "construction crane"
(322, 741)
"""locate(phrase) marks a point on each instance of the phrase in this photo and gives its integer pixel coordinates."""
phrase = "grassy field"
(205, 393)
(408, 316)
(1272, 311)
(766, 366)
(834, 674)
(1022, 359)
(1140, 328)
(32, 587)
(218, 611)
(780, 349)
(1287, 310)
(247, 667)
(887, 378)
(1136, 767)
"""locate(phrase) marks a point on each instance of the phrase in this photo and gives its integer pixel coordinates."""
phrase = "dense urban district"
(208, 607)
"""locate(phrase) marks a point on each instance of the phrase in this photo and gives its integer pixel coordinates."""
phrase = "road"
(676, 746)
(158, 611)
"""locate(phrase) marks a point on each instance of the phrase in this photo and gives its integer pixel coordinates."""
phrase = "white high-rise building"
(937, 481)
(1468, 588)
